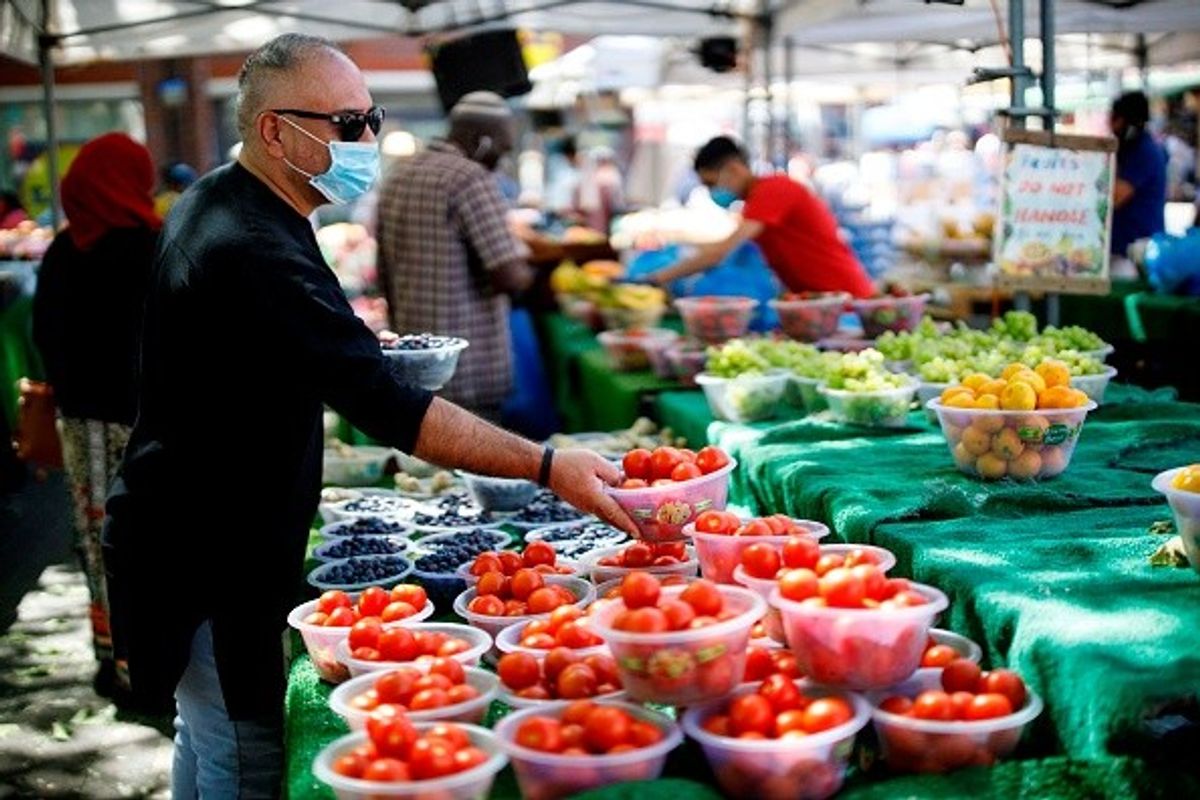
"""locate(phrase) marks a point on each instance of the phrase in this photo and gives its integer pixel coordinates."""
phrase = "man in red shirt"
(795, 231)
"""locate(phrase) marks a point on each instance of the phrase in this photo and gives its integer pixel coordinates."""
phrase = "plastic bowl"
(480, 642)
(583, 591)
(567, 545)
(472, 711)
(661, 512)
(656, 354)
(601, 573)
(1094, 386)
(429, 369)
(443, 587)
(802, 392)
(809, 768)
(922, 745)
(509, 641)
(811, 320)
(603, 589)
(626, 351)
(887, 408)
(388, 505)
(548, 776)
(1100, 355)
(746, 398)
(855, 648)
(713, 319)
(965, 647)
(619, 319)
(513, 701)
(363, 466)
(720, 553)
(1017, 444)
(927, 391)
(321, 641)
(574, 568)
(336, 531)
(499, 494)
(889, 314)
(468, 785)
(686, 363)
(1186, 506)
(682, 667)
(321, 576)
(343, 547)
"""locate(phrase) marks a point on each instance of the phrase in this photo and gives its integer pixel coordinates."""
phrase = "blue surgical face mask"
(353, 168)
(722, 196)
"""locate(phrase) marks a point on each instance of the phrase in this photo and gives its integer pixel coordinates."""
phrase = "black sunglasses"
(350, 124)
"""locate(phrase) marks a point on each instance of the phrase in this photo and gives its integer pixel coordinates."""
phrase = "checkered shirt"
(441, 232)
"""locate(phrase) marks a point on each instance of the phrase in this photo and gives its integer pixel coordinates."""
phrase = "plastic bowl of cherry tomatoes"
(958, 717)
(810, 316)
(412, 645)
(657, 558)
(713, 319)
(854, 627)
(565, 627)
(528, 680)
(611, 590)
(527, 595)
(568, 748)
(721, 536)
(445, 691)
(664, 490)
(538, 556)
(779, 740)
(325, 622)
(678, 645)
(405, 760)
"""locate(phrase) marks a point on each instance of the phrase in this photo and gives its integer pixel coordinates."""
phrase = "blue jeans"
(216, 757)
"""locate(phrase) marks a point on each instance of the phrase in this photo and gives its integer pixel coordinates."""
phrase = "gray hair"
(274, 59)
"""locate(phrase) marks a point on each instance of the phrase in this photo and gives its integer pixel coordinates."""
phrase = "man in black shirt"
(246, 335)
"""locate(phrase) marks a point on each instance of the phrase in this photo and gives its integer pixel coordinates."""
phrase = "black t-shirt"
(87, 314)
(247, 333)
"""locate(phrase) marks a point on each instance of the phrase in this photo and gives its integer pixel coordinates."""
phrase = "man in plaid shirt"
(447, 261)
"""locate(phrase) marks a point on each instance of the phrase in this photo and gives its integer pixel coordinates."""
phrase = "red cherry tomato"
(365, 633)
(827, 562)
(431, 758)
(637, 555)
(751, 713)
(1007, 683)
(759, 664)
(647, 620)
(640, 589)
(933, 704)
(605, 667)
(410, 593)
(679, 614)
(938, 656)
(636, 464)
(332, 600)
(461, 693)
(663, 462)
(704, 596)
(961, 675)
(782, 693)
(397, 610)
(988, 705)
(372, 601)
(755, 527)
(493, 583)
(605, 728)
(539, 553)
(685, 471)
(761, 560)
(350, 765)
(449, 668)
(841, 588)
(576, 635)
(540, 733)
(633, 483)
(510, 562)
(525, 582)
(546, 599)
(386, 770)
(341, 617)
(518, 670)
(897, 705)
(391, 731)
(799, 584)
(576, 681)
(398, 644)
(486, 562)
(556, 661)
(487, 605)
(825, 713)
(710, 459)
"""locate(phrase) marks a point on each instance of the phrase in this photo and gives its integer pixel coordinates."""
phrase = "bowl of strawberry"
(538, 556)
(559, 674)
(497, 600)
(370, 650)
(565, 627)
(406, 760)
(327, 621)
(810, 316)
(780, 739)
(960, 717)
(678, 645)
(568, 748)
(665, 489)
(721, 536)
(854, 627)
(657, 558)
(713, 319)
(444, 690)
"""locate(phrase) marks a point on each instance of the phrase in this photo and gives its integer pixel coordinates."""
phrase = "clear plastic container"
(499, 494)
(923, 745)
(1100, 355)
(811, 767)
(509, 641)
(859, 648)
(890, 314)
(549, 776)
(514, 701)
(1094, 386)
(927, 391)
(661, 512)
(887, 408)
(962, 645)
(472, 711)
(1017, 444)
(392, 527)
(479, 640)
(601, 573)
(686, 362)
(362, 466)
(619, 319)
(388, 504)
(682, 667)
(472, 784)
(802, 392)
(320, 577)
(656, 354)
(713, 319)
(584, 591)
(573, 568)
(720, 553)
(626, 350)
(811, 320)
(1186, 506)
(322, 641)
(429, 369)
(559, 536)
(329, 550)
(746, 398)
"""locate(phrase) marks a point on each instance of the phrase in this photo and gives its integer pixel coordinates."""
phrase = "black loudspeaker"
(486, 61)
(719, 53)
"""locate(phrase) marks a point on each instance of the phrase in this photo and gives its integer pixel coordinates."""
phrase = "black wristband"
(547, 462)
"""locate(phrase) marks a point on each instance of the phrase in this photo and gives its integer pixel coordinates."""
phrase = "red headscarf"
(109, 185)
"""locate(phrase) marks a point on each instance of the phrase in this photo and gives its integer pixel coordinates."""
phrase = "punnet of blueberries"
(546, 508)
(451, 511)
(419, 341)
(573, 541)
(362, 569)
(352, 546)
(380, 504)
(370, 526)
(448, 554)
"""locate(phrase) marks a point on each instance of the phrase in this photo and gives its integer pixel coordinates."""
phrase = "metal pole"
(46, 44)
(1019, 83)
(789, 76)
(767, 29)
(1046, 9)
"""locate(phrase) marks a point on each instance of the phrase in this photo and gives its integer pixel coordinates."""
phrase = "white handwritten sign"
(1055, 217)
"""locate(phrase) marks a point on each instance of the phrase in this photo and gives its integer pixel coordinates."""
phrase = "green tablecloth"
(1132, 310)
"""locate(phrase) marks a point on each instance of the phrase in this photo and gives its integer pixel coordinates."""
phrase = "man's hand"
(579, 477)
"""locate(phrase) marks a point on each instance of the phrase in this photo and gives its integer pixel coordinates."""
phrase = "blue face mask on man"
(353, 168)
(722, 196)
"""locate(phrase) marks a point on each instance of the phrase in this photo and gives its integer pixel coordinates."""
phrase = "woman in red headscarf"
(86, 322)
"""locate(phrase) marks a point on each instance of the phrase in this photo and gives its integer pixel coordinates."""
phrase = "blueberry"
(419, 341)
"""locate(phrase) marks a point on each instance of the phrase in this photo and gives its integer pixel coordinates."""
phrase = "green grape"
(1080, 364)
(864, 372)
(735, 357)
